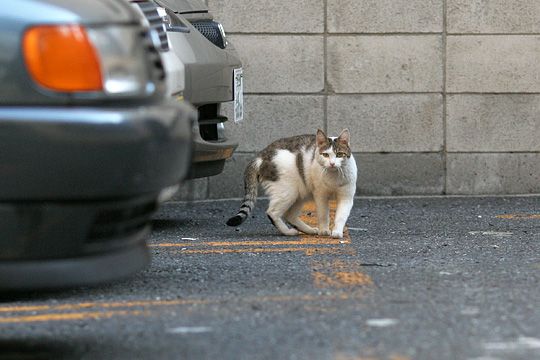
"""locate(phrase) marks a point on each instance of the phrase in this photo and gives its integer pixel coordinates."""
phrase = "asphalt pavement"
(413, 278)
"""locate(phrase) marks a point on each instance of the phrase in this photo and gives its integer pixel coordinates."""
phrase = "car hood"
(184, 6)
(69, 11)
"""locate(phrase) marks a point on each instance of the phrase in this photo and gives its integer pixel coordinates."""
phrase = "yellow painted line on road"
(316, 240)
(269, 246)
(308, 251)
(344, 275)
(339, 274)
(148, 306)
(262, 246)
(105, 305)
(98, 315)
(335, 273)
(165, 303)
(341, 279)
(518, 216)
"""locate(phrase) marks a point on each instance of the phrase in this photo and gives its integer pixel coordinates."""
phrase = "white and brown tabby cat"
(296, 169)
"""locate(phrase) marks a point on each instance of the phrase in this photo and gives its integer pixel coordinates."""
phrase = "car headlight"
(72, 58)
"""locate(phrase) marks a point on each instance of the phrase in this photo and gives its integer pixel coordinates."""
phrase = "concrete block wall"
(441, 96)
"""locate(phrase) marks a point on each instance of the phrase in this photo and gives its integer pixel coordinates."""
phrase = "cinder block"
(230, 183)
(400, 174)
(385, 63)
(493, 16)
(493, 173)
(191, 190)
(496, 123)
(496, 63)
(281, 63)
(282, 16)
(389, 123)
(268, 118)
(385, 16)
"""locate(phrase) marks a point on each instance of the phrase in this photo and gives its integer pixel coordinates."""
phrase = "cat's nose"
(332, 164)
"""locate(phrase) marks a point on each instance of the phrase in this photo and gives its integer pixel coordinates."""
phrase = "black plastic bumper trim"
(64, 273)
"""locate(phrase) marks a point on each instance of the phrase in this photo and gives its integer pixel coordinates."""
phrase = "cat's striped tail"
(251, 185)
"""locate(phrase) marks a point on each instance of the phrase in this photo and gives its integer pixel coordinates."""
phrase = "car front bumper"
(92, 153)
(209, 84)
(78, 187)
(209, 156)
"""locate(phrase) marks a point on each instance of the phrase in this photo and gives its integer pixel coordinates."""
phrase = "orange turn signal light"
(62, 58)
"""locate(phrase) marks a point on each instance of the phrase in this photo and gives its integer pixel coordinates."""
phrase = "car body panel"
(77, 153)
(175, 73)
(69, 12)
(184, 6)
(208, 69)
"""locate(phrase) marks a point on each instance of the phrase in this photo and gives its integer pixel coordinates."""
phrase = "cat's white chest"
(334, 181)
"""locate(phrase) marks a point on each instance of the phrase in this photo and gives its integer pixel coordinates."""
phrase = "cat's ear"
(345, 137)
(321, 138)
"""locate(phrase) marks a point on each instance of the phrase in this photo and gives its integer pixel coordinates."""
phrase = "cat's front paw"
(311, 231)
(324, 232)
(337, 234)
(291, 232)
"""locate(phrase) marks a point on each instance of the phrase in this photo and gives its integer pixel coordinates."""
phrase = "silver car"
(213, 76)
(89, 142)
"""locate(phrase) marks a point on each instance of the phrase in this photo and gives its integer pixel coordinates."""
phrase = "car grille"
(150, 12)
(211, 123)
(158, 71)
(210, 30)
(121, 221)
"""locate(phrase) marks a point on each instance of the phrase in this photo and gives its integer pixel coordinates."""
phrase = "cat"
(297, 169)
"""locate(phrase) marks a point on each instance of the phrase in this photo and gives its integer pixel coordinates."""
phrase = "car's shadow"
(165, 224)
(43, 295)
(34, 350)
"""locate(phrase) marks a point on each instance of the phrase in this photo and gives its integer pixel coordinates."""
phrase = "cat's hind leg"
(292, 216)
(277, 209)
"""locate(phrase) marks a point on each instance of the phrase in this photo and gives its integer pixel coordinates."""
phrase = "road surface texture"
(413, 278)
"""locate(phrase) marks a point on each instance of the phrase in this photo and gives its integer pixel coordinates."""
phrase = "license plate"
(238, 95)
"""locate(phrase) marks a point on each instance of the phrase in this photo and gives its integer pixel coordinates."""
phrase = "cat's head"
(333, 152)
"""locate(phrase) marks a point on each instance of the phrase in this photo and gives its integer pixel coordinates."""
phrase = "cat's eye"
(325, 155)
(341, 154)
